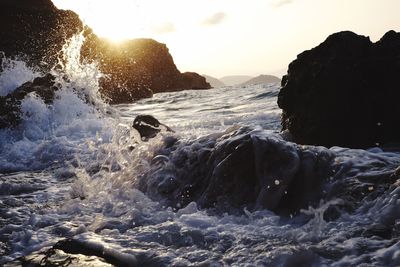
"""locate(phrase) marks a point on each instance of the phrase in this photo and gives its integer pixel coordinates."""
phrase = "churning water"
(71, 169)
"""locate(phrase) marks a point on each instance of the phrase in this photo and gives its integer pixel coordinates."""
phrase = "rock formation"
(44, 87)
(344, 92)
(37, 30)
(138, 68)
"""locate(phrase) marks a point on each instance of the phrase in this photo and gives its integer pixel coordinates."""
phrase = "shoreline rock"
(344, 92)
(44, 87)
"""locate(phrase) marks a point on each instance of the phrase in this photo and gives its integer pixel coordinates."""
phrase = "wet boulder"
(239, 169)
(247, 168)
(344, 92)
(44, 87)
(148, 126)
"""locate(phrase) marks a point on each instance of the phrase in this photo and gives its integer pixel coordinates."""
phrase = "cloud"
(279, 3)
(166, 27)
(215, 19)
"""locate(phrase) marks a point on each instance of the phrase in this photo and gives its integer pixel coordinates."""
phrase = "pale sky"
(236, 37)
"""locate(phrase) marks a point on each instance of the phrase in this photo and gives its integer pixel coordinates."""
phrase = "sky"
(236, 37)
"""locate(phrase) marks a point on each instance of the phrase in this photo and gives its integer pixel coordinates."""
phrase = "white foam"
(15, 73)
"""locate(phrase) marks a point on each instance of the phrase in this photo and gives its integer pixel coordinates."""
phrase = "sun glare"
(128, 19)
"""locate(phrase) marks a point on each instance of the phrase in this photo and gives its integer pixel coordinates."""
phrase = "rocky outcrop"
(37, 30)
(138, 68)
(192, 80)
(344, 92)
(262, 79)
(44, 87)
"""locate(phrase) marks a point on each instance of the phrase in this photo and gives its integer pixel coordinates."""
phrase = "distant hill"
(235, 79)
(214, 82)
(262, 79)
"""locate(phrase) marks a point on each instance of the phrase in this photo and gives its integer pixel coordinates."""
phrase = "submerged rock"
(242, 168)
(344, 92)
(245, 168)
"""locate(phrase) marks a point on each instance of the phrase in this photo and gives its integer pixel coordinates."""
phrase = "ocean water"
(69, 171)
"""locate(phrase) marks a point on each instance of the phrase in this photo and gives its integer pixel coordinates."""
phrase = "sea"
(70, 170)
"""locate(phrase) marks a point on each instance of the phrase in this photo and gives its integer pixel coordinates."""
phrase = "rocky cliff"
(37, 30)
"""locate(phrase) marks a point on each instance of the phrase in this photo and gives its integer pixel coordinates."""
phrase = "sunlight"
(128, 19)
(116, 22)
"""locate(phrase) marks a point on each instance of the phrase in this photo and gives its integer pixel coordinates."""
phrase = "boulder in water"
(344, 92)
(44, 87)
(148, 126)
(241, 168)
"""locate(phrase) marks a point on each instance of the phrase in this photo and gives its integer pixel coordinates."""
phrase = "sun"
(121, 20)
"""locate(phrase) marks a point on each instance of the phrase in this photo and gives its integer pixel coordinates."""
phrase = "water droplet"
(379, 124)
(370, 188)
(277, 182)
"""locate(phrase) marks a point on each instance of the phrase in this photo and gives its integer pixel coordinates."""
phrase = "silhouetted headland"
(36, 31)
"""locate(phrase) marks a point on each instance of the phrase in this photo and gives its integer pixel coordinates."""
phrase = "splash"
(60, 131)
(15, 73)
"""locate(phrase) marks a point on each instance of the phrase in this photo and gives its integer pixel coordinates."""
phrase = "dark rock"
(344, 92)
(37, 30)
(138, 68)
(44, 87)
(148, 126)
(236, 170)
(192, 80)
